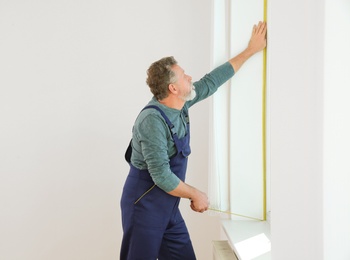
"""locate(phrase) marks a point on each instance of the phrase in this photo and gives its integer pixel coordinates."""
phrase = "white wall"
(336, 130)
(72, 82)
(296, 105)
(309, 88)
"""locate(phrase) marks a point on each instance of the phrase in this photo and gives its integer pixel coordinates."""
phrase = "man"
(157, 154)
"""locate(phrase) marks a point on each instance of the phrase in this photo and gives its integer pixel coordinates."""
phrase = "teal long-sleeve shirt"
(152, 144)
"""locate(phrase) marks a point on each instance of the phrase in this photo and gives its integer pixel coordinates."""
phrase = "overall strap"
(171, 126)
(179, 143)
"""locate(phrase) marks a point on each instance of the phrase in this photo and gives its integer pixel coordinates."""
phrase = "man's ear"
(172, 88)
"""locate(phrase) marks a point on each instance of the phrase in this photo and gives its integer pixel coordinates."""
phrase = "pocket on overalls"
(152, 208)
(144, 194)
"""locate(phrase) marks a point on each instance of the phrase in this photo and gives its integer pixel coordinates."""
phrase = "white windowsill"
(249, 239)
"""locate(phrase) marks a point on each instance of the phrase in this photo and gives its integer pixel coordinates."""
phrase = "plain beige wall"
(72, 82)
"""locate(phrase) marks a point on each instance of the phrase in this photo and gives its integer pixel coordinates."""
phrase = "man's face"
(184, 84)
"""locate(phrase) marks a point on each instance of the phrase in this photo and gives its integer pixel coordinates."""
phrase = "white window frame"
(221, 180)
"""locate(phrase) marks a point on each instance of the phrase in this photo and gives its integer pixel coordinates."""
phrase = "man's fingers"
(261, 28)
(254, 29)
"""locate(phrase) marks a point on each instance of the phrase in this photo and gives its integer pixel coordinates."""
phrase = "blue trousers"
(153, 227)
(152, 223)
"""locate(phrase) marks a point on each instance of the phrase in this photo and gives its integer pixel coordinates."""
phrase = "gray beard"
(191, 95)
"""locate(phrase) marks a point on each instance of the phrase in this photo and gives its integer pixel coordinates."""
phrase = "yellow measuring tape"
(264, 120)
(235, 214)
(263, 137)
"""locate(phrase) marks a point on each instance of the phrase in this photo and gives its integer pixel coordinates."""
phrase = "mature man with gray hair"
(158, 152)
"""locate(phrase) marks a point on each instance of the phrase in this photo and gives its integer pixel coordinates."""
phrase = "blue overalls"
(152, 223)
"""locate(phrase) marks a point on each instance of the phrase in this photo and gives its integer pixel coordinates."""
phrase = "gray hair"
(160, 75)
